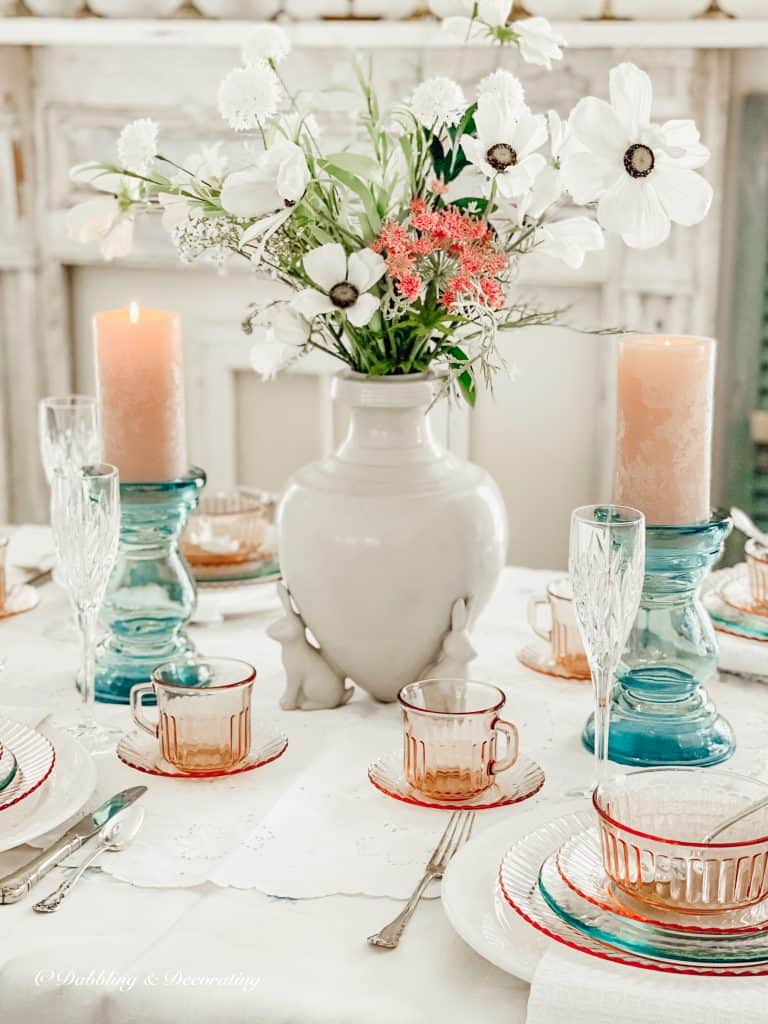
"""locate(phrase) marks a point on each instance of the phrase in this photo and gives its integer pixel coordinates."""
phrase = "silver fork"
(457, 832)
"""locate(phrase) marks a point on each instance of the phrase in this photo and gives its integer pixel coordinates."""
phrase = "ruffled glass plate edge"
(540, 917)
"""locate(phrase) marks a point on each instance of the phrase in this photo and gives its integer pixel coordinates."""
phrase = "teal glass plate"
(8, 767)
(258, 571)
(647, 940)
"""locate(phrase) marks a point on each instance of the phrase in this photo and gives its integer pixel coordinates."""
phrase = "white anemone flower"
(548, 186)
(683, 143)
(101, 220)
(137, 145)
(277, 181)
(267, 42)
(249, 96)
(640, 174)
(281, 332)
(438, 102)
(570, 240)
(504, 149)
(538, 41)
(504, 86)
(343, 284)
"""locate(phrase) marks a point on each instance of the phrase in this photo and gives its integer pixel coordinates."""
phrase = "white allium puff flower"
(266, 43)
(438, 102)
(137, 145)
(249, 96)
(504, 86)
(640, 174)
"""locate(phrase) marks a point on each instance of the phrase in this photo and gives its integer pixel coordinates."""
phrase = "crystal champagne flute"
(69, 432)
(606, 567)
(85, 508)
(68, 427)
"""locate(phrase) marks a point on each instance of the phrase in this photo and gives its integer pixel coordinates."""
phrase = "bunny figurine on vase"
(457, 650)
(311, 683)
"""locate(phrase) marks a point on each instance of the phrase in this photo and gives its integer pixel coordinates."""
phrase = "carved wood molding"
(51, 116)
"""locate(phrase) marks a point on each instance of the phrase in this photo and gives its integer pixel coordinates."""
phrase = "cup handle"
(534, 604)
(513, 746)
(137, 708)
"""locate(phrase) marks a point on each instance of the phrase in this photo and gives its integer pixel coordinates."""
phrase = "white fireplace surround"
(66, 89)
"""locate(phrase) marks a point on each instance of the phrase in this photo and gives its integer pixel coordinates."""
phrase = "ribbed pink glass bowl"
(652, 827)
(228, 529)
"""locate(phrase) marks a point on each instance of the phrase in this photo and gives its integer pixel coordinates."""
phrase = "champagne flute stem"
(603, 687)
(86, 620)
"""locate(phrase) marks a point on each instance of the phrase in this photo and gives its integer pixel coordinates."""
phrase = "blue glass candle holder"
(661, 714)
(151, 593)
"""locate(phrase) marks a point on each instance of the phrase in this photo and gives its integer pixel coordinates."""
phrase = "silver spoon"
(758, 805)
(116, 836)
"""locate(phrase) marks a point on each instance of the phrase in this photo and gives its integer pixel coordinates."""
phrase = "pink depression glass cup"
(451, 731)
(757, 571)
(563, 634)
(204, 713)
(653, 825)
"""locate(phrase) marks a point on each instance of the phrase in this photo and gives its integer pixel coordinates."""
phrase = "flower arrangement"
(400, 253)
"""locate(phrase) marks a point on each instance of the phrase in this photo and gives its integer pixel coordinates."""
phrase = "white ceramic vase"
(379, 540)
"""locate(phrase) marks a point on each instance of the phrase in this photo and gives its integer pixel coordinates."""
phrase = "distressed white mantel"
(66, 89)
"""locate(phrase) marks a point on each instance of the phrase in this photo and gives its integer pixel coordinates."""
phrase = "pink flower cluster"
(466, 239)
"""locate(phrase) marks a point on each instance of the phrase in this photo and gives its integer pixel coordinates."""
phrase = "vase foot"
(645, 738)
(117, 670)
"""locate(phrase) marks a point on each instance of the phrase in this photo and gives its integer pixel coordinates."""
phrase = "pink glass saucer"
(140, 751)
(580, 866)
(539, 657)
(520, 782)
(736, 593)
(20, 599)
(519, 884)
(34, 756)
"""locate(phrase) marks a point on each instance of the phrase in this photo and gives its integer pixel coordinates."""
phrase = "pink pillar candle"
(664, 428)
(140, 379)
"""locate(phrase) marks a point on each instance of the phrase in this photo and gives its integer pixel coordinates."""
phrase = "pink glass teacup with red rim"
(756, 555)
(204, 713)
(451, 730)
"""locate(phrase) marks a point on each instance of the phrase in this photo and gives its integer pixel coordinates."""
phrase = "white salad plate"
(473, 903)
(60, 798)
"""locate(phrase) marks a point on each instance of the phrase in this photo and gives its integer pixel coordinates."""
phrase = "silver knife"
(15, 886)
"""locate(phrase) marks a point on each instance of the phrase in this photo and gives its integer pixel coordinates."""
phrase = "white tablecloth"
(118, 953)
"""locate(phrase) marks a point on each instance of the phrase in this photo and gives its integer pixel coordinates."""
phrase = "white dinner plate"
(476, 909)
(61, 797)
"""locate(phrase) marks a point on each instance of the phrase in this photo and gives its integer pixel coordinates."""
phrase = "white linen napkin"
(584, 990)
(30, 551)
(737, 654)
(31, 548)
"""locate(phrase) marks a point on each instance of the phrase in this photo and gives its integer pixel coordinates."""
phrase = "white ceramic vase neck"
(388, 419)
